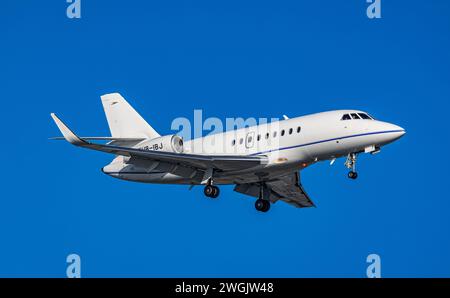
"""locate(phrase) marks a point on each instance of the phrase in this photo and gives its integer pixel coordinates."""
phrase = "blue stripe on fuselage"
(327, 140)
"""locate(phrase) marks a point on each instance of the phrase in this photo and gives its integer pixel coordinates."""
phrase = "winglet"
(66, 132)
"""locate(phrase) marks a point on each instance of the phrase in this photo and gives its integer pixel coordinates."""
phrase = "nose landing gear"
(350, 163)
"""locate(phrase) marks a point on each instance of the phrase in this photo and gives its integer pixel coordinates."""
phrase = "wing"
(286, 188)
(196, 161)
(104, 139)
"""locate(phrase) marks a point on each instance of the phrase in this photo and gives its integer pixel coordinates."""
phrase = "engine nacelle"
(170, 143)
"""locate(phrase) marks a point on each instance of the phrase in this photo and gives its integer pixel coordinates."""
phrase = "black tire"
(208, 190)
(262, 205)
(216, 192)
(259, 204)
(267, 207)
(352, 175)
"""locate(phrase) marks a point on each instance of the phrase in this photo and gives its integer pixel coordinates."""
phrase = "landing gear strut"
(211, 191)
(350, 163)
(261, 204)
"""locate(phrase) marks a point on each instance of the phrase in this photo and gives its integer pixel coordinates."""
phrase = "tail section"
(123, 120)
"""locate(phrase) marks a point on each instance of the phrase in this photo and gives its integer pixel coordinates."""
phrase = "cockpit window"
(357, 116)
(364, 116)
(346, 117)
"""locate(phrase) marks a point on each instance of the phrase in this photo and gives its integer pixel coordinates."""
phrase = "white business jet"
(262, 161)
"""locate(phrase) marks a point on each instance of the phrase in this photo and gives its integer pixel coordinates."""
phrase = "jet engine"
(170, 143)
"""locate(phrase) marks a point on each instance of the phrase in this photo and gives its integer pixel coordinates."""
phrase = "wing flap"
(286, 188)
(291, 191)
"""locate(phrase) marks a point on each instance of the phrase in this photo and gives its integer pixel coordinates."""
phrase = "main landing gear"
(350, 163)
(262, 204)
(211, 191)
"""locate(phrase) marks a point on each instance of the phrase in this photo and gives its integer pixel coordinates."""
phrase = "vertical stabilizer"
(123, 120)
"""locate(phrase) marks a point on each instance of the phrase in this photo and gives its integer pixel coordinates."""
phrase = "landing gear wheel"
(208, 190)
(262, 205)
(211, 191)
(267, 206)
(352, 175)
(216, 192)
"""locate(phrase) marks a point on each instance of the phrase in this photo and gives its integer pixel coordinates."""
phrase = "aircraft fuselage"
(291, 144)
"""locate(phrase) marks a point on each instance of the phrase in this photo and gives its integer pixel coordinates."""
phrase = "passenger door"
(249, 140)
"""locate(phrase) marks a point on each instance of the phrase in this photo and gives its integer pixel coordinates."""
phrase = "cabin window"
(274, 134)
(299, 129)
(267, 136)
(364, 116)
(346, 117)
(282, 132)
(355, 116)
(233, 142)
(258, 137)
(290, 131)
(241, 141)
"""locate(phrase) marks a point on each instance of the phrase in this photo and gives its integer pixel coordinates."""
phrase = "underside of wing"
(199, 161)
(104, 139)
(286, 188)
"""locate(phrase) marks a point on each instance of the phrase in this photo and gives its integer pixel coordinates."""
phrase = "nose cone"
(395, 131)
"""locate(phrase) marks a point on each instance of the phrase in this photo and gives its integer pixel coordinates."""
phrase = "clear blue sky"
(231, 59)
